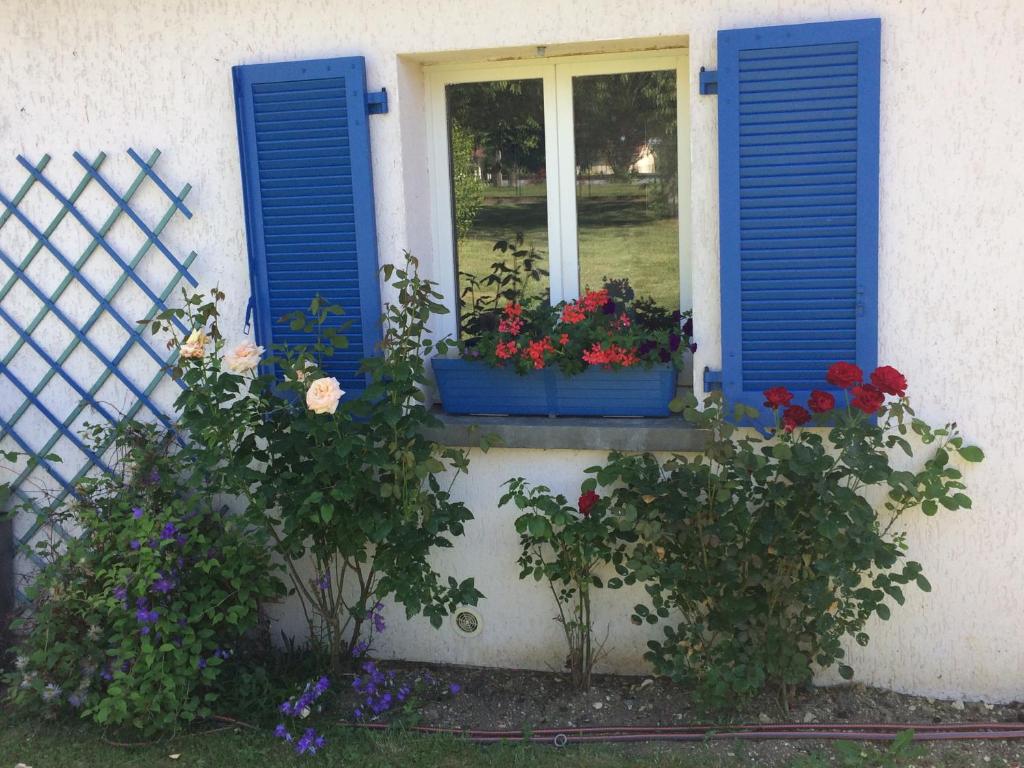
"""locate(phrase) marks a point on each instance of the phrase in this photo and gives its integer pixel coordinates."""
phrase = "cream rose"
(243, 358)
(323, 395)
(194, 346)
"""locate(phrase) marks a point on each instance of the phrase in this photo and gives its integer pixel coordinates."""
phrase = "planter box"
(473, 387)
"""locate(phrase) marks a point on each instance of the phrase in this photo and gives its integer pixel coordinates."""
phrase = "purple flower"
(144, 630)
(282, 733)
(377, 617)
(168, 532)
(202, 663)
(137, 513)
(105, 674)
(645, 347)
(182, 539)
(454, 689)
(154, 477)
(673, 341)
(162, 585)
(324, 581)
(608, 308)
(121, 594)
(688, 327)
(134, 544)
(361, 648)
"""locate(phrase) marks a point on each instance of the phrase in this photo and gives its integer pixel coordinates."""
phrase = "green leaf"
(971, 453)
(923, 584)
(845, 672)
(883, 611)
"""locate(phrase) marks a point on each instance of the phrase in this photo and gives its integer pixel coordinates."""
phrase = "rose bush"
(566, 547)
(766, 553)
(355, 497)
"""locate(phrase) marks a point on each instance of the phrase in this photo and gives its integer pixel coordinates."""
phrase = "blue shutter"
(798, 182)
(304, 143)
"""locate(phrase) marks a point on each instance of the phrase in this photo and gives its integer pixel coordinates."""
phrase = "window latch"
(377, 102)
(712, 380)
(708, 82)
(248, 317)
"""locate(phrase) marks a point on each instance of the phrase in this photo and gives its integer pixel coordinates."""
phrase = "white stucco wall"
(119, 73)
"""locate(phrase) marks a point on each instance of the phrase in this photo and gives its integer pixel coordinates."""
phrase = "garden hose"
(561, 737)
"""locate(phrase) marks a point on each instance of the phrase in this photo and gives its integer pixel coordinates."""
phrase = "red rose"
(867, 398)
(587, 501)
(889, 380)
(777, 397)
(821, 402)
(844, 375)
(794, 416)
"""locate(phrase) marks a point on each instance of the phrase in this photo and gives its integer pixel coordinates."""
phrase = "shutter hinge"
(377, 102)
(712, 380)
(708, 82)
(248, 317)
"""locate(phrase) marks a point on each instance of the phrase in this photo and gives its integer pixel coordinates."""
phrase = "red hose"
(746, 732)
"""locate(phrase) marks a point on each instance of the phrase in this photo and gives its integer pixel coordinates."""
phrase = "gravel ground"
(515, 699)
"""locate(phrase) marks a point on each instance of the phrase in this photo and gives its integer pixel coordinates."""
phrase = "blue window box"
(471, 387)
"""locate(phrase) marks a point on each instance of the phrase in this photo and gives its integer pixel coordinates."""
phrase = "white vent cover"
(467, 622)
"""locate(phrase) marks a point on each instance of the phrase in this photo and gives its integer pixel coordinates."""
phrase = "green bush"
(133, 620)
(355, 497)
(567, 546)
(766, 552)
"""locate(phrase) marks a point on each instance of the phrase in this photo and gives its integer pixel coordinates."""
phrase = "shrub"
(767, 552)
(567, 546)
(133, 620)
(350, 487)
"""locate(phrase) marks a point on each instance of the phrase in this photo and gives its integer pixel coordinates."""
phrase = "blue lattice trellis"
(24, 400)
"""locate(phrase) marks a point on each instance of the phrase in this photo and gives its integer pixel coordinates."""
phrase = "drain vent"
(467, 622)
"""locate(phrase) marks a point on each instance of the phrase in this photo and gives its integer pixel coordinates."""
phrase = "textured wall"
(119, 73)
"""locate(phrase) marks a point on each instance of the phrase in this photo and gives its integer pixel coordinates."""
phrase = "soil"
(519, 700)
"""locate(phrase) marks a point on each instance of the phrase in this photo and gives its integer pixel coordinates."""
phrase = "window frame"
(557, 75)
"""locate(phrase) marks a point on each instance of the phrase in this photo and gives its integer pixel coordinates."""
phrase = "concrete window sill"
(671, 434)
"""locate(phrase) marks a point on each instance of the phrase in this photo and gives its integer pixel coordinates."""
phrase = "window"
(583, 157)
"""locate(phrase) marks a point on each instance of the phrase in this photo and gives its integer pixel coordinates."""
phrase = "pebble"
(763, 718)
(598, 704)
(810, 717)
(958, 705)
(648, 681)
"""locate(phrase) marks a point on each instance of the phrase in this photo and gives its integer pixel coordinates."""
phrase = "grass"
(618, 237)
(60, 745)
(66, 745)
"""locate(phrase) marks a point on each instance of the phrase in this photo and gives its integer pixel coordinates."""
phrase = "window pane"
(499, 192)
(627, 182)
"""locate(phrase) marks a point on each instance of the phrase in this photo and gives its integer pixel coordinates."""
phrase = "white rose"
(323, 395)
(194, 346)
(243, 358)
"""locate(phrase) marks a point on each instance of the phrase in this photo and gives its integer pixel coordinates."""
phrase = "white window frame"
(560, 160)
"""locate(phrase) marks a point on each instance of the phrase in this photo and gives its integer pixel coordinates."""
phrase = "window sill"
(670, 434)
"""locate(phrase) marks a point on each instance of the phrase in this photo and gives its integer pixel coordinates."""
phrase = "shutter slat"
(304, 144)
(798, 160)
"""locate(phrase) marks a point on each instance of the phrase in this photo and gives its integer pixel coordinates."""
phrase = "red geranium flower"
(777, 397)
(889, 380)
(587, 502)
(821, 402)
(844, 375)
(794, 416)
(572, 314)
(867, 398)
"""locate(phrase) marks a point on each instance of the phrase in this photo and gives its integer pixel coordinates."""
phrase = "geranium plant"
(768, 552)
(567, 547)
(609, 327)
